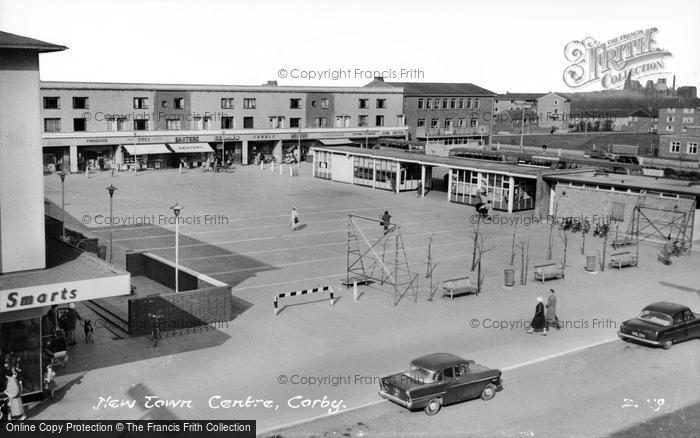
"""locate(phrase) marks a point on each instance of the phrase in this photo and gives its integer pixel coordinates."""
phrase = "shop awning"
(184, 148)
(336, 141)
(145, 149)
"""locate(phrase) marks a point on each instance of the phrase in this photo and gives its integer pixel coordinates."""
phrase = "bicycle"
(155, 332)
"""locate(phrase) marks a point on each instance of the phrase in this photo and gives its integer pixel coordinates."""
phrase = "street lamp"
(111, 189)
(63, 174)
(177, 208)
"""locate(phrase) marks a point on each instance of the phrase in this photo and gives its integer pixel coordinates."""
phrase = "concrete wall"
(22, 244)
(342, 168)
(140, 264)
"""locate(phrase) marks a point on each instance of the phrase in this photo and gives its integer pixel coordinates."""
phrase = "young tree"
(476, 235)
(481, 250)
(551, 229)
(512, 246)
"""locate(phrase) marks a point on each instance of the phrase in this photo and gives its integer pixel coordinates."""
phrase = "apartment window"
(121, 125)
(227, 122)
(381, 103)
(420, 103)
(687, 120)
(675, 147)
(400, 120)
(556, 103)
(436, 105)
(294, 103)
(684, 129)
(445, 103)
(689, 110)
(671, 110)
(294, 122)
(227, 103)
(163, 103)
(140, 102)
(474, 121)
(179, 102)
(321, 122)
(325, 103)
(364, 103)
(420, 123)
(80, 103)
(140, 125)
(428, 103)
(52, 103)
(448, 124)
(52, 125)
(275, 122)
(453, 103)
(173, 125)
(206, 123)
(379, 121)
(476, 103)
(342, 121)
(692, 148)
(460, 104)
(462, 123)
(79, 125)
(434, 123)
(247, 123)
(669, 119)
(669, 128)
(469, 103)
(249, 103)
(362, 120)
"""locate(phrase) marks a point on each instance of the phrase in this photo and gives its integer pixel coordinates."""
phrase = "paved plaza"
(239, 233)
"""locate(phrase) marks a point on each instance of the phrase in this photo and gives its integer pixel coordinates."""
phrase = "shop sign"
(96, 140)
(64, 293)
(226, 137)
(194, 139)
(264, 136)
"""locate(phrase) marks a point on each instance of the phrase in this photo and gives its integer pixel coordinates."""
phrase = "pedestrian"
(13, 391)
(392, 182)
(72, 318)
(666, 251)
(50, 381)
(52, 316)
(539, 323)
(385, 221)
(419, 189)
(294, 219)
(550, 312)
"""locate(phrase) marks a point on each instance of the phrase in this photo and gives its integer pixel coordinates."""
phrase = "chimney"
(379, 78)
(272, 83)
(674, 84)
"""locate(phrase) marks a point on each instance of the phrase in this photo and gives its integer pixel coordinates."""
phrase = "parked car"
(440, 379)
(662, 324)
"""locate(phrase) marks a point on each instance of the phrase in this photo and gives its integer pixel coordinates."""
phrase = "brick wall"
(140, 264)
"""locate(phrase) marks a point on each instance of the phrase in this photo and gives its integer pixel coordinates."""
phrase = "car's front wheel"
(667, 344)
(488, 392)
(433, 406)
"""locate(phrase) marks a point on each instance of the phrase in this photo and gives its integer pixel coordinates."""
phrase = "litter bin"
(510, 277)
(591, 264)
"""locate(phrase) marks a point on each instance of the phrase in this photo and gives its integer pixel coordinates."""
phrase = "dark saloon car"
(440, 379)
(662, 324)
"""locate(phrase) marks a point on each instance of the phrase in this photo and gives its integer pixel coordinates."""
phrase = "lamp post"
(177, 208)
(63, 202)
(111, 189)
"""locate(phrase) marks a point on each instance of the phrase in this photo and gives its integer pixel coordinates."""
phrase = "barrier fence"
(303, 292)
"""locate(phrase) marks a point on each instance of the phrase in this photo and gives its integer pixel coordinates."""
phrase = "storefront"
(191, 154)
(146, 156)
(96, 157)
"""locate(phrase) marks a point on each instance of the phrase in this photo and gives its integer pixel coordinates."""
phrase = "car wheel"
(433, 406)
(667, 344)
(488, 392)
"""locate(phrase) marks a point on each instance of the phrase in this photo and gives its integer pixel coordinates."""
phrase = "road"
(616, 389)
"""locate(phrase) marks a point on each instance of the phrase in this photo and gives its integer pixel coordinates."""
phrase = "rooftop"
(435, 88)
(636, 182)
(519, 96)
(12, 41)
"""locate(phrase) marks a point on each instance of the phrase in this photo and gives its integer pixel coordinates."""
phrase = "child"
(50, 380)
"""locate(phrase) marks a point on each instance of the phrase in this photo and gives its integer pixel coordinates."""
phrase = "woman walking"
(539, 323)
(294, 219)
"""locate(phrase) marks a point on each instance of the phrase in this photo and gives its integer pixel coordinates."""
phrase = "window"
(434, 123)
(381, 103)
(428, 103)
(248, 122)
(249, 103)
(294, 103)
(325, 103)
(227, 103)
(462, 123)
(52, 125)
(469, 103)
(445, 103)
(140, 125)
(448, 373)
(556, 103)
(436, 105)
(675, 147)
(173, 124)
(669, 128)
(692, 148)
(476, 103)
(362, 120)
(420, 103)
(687, 120)
(342, 121)
(379, 121)
(364, 103)
(320, 122)
(688, 110)
(313, 104)
(163, 103)
(140, 102)
(474, 121)
(121, 124)
(228, 122)
(671, 110)
(52, 103)
(206, 123)
(295, 122)
(448, 124)
(420, 123)
(453, 103)
(400, 120)
(275, 122)
(669, 119)
(179, 103)
(80, 103)
(79, 125)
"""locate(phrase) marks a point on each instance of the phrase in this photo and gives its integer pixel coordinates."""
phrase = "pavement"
(312, 350)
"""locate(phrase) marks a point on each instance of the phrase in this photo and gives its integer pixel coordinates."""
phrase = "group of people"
(54, 326)
(11, 406)
(545, 315)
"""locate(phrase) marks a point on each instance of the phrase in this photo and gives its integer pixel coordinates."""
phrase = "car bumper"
(638, 339)
(406, 404)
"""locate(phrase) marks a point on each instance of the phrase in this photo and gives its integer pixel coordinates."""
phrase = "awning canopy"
(145, 149)
(336, 141)
(183, 148)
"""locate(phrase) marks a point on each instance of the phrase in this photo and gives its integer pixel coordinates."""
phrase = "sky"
(501, 45)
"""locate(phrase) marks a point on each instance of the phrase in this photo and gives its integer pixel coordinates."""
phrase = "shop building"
(159, 125)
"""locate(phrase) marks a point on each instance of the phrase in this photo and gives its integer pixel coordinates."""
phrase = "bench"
(549, 271)
(618, 243)
(622, 259)
(458, 286)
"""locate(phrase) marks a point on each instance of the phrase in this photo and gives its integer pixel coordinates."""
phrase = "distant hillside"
(624, 99)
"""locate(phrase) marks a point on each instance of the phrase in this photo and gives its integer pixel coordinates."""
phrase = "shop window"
(80, 103)
(20, 344)
(179, 102)
(79, 125)
(52, 103)
(52, 125)
(227, 122)
(247, 122)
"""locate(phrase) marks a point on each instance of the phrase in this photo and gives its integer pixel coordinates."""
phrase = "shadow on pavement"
(683, 422)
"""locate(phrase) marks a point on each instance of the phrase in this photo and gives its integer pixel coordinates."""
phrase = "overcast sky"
(515, 46)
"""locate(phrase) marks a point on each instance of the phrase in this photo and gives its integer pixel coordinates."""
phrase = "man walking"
(385, 221)
(419, 189)
(71, 320)
(551, 311)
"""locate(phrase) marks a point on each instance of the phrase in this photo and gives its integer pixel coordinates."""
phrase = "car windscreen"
(656, 318)
(420, 374)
